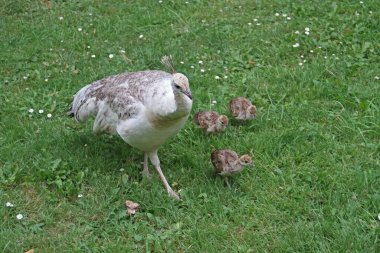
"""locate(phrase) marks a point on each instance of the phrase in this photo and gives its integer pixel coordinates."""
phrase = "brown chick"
(211, 121)
(242, 109)
(226, 163)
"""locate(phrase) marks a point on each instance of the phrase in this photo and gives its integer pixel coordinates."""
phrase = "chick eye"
(177, 86)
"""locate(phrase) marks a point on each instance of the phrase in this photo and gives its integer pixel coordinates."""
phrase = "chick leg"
(156, 162)
(145, 171)
(227, 182)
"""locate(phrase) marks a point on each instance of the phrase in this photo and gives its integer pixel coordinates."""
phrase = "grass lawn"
(311, 67)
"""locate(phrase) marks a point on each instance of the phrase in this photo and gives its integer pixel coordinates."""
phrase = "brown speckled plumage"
(211, 121)
(242, 109)
(226, 162)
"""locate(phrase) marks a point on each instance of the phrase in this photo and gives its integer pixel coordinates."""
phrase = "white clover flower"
(49, 115)
(300, 63)
(213, 102)
(122, 169)
(297, 32)
(79, 29)
(160, 2)
(249, 23)
(255, 19)
(225, 77)
(284, 15)
(110, 56)
(277, 14)
(370, 12)
(19, 216)
(311, 51)
(288, 18)
(61, 18)
(202, 70)
(93, 56)
(40, 111)
(258, 24)
(307, 33)
(80, 195)
(296, 45)
(361, 2)
(307, 29)
(46, 79)
(377, 78)
(200, 62)
(325, 57)
(25, 77)
(88, 47)
(182, 62)
(31, 110)
(141, 36)
(217, 77)
(9, 204)
(192, 66)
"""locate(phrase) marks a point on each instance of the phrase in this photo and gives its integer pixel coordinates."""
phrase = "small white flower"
(297, 32)
(141, 36)
(307, 33)
(182, 62)
(225, 77)
(336, 58)
(370, 12)
(357, 13)
(213, 102)
(361, 2)
(122, 169)
(255, 19)
(249, 23)
(288, 18)
(325, 57)
(192, 66)
(80, 195)
(277, 14)
(377, 78)
(46, 79)
(307, 29)
(9, 204)
(319, 47)
(61, 18)
(296, 45)
(93, 56)
(258, 24)
(49, 115)
(25, 77)
(19, 216)
(79, 29)
(40, 111)
(31, 110)
(300, 63)
(200, 62)
(88, 47)
(217, 77)
(311, 51)
(302, 56)
(202, 70)
(90, 14)
(160, 2)
(378, 216)
(304, 61)
(284, 15)
(110, 56)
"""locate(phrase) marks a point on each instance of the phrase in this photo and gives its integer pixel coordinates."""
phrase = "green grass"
(315, 143)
